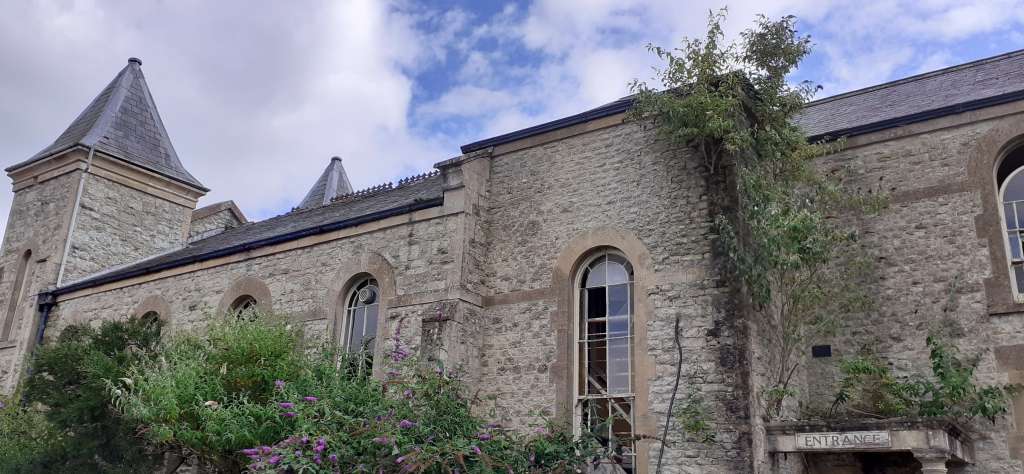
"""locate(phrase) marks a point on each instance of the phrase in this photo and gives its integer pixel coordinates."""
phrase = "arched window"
(1010, 178)
(17, 288)
(152, 320)
(360, 326)
(244, 304)
(604, 363)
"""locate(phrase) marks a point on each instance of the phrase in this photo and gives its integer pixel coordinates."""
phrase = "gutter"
(919, 117)
(622, 105)
(416, 205)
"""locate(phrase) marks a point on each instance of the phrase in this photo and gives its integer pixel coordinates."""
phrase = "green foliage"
(869, 387)
(68, 405)
(27, 440)
(248, 393)
(732, 104)
(694, 418)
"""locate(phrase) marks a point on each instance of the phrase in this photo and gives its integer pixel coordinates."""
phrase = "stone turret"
(110, 190)
(333, 182)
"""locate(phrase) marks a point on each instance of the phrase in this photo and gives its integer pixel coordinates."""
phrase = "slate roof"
(346, 211)
(122, 121)
(956, 89)
(333, 182)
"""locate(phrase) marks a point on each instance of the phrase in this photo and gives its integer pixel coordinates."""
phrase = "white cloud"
(258, 95)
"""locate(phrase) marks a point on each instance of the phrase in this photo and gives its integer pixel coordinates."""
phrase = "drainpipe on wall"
(74, 216)
(45, 302)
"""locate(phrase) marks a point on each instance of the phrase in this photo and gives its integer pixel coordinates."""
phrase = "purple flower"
(279, 384)
(319, 448)
(321, 441)
(298, 453)
(381, 440)
(3, 405)
(310, 399)
(484, 436)
(316, 459)
(541, 430)
(286, 405)
(265, 449)
(289, 414)
(333, 458)
(475, 449)
(400, 460)
(305, 440)
(406, 424)
(407, 393)
(274, 460)
(251, 452)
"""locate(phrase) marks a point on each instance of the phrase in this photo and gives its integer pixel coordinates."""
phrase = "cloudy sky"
(257, 96)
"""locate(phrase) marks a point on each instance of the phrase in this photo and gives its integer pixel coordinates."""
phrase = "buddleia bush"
(248, 394)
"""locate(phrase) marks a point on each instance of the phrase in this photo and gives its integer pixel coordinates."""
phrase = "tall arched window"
(362, 304)
(17, 288)
(604, 363)
(1010, 178)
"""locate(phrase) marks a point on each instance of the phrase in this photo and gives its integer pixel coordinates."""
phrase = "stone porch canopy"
(933, 442)
(971, 86)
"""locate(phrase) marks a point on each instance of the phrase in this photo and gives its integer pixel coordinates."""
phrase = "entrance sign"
(847, 440)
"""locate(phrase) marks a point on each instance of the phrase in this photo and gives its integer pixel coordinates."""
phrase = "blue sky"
(258, 95)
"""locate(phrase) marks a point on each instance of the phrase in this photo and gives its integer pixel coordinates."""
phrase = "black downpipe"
(45, 302)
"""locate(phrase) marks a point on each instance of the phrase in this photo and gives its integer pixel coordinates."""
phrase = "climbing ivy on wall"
(732, 104)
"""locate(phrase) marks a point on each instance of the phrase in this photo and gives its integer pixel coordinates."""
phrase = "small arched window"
(604, 327)
(17, 288)
(151, 319)
(362, 304)
(1010, 177)
(244, 304)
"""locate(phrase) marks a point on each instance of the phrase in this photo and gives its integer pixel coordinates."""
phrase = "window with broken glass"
(1012, 196)
(360, 331)
(604, 385)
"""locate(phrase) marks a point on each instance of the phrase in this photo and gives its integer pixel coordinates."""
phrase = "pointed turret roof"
(122, 121)
(331, 184)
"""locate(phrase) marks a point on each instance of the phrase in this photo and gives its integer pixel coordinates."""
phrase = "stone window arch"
(603, 385)
(359, 326)
(1010, 188)
(17, 293)
(581, 253)
(246, 294)
(353, 271)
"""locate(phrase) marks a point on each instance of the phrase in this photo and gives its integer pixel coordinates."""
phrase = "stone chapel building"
(548, 265)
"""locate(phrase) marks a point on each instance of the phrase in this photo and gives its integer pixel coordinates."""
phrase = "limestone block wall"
(931, 250)
(38, 222)
(117, 224)
(547, 204)
(306, 283)
(212, 224)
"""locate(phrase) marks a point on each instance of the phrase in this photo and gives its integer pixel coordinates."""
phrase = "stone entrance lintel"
(933, 442)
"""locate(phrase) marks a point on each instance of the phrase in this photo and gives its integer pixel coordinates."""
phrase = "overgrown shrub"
(27, 440)
(869, 388)
(248, 394)
(67, 423)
